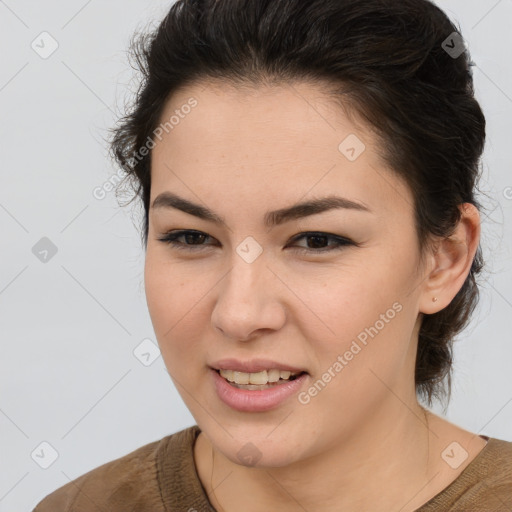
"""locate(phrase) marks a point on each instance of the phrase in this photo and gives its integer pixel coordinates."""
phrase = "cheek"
(364, 316)
(170, 302)
(356, 371)
(339, 307)
(168, 287)
(160, 293)
(177, 296)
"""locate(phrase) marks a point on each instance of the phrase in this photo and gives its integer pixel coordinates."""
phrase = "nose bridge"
(248, 263)
(246, 300)
(248, 272)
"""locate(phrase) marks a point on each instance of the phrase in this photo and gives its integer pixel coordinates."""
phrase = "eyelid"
(341, 242)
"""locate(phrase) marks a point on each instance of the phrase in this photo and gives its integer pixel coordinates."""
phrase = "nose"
(250, 301)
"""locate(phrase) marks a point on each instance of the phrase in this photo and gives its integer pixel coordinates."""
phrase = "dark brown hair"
(395, 63)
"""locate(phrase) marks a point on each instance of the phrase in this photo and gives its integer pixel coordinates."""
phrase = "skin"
(363, 442)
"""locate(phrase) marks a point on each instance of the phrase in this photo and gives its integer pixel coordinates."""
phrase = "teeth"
(259, 378)
(241, 377)
(273, 375)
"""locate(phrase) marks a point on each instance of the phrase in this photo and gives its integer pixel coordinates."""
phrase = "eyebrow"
(272, 218)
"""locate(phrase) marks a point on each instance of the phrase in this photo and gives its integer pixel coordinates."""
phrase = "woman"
(308, 172)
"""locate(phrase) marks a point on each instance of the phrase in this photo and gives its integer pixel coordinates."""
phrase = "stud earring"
(434, 299)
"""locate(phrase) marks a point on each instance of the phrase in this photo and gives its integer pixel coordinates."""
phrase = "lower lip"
(245, 400)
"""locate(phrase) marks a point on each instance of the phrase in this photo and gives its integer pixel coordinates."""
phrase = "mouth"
(261, 380)
(257, 391)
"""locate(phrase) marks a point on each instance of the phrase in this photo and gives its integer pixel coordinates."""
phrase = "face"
(333, 294)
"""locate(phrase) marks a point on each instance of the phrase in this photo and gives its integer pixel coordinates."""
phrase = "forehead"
(294, 111)
(271, 141)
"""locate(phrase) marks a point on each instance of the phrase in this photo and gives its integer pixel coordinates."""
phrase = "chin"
(254, 447)
(254, 455)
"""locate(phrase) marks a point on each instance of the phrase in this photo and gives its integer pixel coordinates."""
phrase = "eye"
(188, 235)
(316, 238)
(320, 239)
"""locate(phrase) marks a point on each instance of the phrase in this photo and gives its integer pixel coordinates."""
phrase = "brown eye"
(189, 236)
(319, 240)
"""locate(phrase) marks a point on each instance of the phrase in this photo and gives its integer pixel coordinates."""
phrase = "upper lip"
(253, 366)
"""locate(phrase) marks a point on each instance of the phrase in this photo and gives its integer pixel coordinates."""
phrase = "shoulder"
(485, 484)
(496, 471)
(125, 484)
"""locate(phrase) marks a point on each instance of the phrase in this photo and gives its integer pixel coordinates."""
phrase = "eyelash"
(170, 238)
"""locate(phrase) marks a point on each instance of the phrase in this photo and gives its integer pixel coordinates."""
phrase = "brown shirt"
(161, 477)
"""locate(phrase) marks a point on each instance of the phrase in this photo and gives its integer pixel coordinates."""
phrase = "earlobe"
(452, 259)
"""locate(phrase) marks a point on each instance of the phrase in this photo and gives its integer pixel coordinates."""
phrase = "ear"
(451, 262)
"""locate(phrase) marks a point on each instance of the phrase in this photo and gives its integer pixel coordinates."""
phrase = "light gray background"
(69, 327)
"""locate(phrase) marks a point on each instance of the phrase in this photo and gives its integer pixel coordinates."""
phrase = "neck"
(385, 465)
